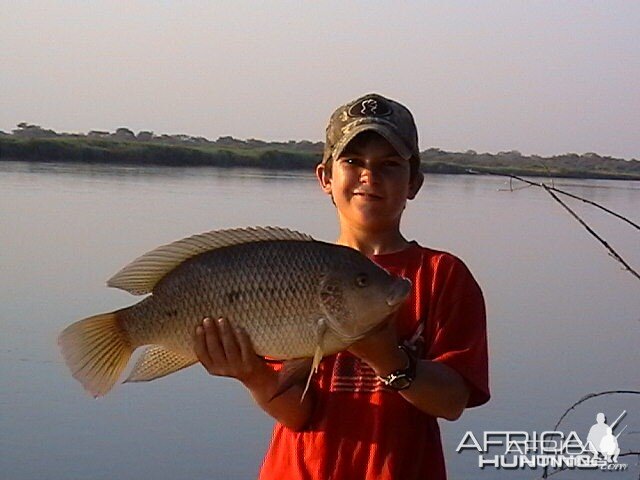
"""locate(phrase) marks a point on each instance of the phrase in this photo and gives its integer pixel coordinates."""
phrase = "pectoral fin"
(158, 361)
(295, 371)
(317, 356)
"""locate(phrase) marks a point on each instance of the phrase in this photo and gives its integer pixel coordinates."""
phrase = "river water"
(564, 318)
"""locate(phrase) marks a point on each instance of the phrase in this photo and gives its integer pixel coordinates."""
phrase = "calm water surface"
(564, 319)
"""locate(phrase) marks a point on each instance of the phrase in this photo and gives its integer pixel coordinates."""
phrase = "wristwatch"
(401, 379)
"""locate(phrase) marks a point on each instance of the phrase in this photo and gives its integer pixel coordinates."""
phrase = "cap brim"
(387, 132)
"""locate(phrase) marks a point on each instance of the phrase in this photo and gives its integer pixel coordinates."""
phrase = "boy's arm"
(437, 389)
(228, 352)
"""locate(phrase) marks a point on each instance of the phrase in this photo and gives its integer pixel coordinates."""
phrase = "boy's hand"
(228, 352)
(437, 389)
(380, 349)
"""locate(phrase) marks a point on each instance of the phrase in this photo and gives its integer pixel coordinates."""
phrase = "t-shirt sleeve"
(460, 329)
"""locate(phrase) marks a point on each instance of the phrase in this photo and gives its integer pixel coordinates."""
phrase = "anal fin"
(158, 361)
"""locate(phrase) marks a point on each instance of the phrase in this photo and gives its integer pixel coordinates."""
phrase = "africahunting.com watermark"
(553, 449)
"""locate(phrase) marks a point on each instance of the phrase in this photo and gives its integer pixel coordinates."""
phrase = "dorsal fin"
(141, 275)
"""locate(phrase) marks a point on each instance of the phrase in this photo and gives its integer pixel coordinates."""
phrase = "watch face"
(400, 382)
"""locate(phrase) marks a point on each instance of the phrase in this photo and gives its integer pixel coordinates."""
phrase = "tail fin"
(96, 351)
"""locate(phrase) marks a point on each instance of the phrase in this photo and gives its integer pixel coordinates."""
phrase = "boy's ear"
(323, 178)
(414, 185)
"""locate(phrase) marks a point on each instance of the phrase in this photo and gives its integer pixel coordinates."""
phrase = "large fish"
(295, 297)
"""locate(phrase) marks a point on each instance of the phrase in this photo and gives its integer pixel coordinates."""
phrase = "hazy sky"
(541, 77)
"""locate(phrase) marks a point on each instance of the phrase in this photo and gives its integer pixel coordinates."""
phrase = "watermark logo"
(602, 440)
(555, 449)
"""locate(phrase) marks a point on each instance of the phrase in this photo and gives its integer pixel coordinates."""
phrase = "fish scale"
(294, 296)
(269, 297)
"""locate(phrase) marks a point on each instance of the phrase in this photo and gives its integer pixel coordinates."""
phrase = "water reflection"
(148, 173)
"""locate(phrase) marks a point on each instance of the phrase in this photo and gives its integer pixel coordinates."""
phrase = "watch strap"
(401, 379)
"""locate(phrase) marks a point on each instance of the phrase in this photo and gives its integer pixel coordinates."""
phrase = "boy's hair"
(373, 113)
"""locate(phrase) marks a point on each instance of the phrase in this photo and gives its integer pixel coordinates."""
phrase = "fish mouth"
(399, 292)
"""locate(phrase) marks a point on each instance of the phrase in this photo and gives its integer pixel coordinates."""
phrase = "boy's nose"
(368, 175)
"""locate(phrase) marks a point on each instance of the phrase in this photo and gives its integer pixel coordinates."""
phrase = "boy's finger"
(200, 347)
(229, 342)
(246, 347)
(214, 346)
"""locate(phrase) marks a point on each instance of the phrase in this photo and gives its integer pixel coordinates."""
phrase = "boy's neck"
(372, 242)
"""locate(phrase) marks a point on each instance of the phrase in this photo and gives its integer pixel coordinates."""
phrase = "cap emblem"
(369, 107)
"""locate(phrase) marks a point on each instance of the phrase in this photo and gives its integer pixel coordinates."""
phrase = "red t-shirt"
(362, 430)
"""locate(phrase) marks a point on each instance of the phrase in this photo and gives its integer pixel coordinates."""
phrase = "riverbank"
(229, 152)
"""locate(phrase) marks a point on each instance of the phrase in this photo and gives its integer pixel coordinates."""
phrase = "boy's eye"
(392, 163)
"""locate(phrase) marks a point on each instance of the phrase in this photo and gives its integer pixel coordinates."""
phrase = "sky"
(540, 77)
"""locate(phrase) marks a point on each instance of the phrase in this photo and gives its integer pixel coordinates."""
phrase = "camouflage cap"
(372, 112)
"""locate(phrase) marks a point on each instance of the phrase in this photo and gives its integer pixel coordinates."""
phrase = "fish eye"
(362, 280)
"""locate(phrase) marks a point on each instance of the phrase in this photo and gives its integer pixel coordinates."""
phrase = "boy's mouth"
(368, 195)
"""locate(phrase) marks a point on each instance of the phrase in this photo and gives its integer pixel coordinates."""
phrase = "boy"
(372, 411)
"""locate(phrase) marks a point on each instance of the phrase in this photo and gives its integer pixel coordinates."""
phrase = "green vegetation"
(32, 143)
(588, 165)
(129, 153)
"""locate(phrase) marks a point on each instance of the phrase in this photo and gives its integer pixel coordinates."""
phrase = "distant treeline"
(33, 143)
(127, 153)
(572, 165)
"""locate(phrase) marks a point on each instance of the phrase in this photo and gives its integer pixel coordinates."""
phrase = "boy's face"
(370, 183)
